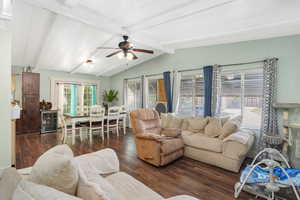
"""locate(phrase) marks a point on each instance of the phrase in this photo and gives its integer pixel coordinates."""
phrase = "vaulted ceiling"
(62, 34)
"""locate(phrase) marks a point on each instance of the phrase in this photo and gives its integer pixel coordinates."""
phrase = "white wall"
(5, 88)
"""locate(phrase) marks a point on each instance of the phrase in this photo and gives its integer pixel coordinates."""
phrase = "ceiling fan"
(126, 50)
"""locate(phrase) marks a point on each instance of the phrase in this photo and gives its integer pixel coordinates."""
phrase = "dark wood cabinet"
(30, 120)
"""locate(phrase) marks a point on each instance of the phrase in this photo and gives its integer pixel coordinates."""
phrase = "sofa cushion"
(59, 171)
(130, 188)
(214, 127)
(185, 123)
(8, 183)
(92, 186)
(197, 124)
(171, 145)
(30, 191)
(201, 141)
(230, 127)
(103, 161)
(171, 121)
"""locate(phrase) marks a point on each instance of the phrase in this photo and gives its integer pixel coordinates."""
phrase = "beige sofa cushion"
(130, 188)
(230, 127)
(92, 186)
(8, 183)
(58, 171)
(214, 127)
(171, 121)
(30, 191)
(201, 141)
(197, 124)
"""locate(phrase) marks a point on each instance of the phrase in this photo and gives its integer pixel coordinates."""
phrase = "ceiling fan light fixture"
(121, 55)
(129, 56)
(89, 61)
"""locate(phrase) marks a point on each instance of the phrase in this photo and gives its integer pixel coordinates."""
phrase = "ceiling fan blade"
(112, 54)
(107, 48)
(143, 50)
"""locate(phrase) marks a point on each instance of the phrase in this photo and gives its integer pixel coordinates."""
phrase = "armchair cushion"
(171, 145)
(171, 132)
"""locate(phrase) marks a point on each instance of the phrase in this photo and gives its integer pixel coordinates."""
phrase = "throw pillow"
(30, 191)
(214, 127)
(58, 171)
(185, 123)
(8, 183)
(197, 124)
(174, 122)
(230, 127)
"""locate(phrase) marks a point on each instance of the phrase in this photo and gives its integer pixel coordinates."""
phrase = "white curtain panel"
(145, 91)
(81, 96)
(125, 86)
(61, 99)
(176, 90)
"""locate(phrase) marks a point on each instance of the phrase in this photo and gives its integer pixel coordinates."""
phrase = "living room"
(149, 100)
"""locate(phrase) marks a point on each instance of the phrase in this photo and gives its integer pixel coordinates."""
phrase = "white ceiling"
(62, 34)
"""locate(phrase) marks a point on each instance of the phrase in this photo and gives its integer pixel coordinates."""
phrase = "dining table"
(82, 118)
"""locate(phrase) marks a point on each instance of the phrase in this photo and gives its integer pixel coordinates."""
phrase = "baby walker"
(267, 176)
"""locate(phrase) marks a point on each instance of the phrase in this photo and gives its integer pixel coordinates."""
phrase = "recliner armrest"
(237, 145)
(171, 132)
(150, 136)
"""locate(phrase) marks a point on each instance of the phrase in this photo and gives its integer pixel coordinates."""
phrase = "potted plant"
(109, 97)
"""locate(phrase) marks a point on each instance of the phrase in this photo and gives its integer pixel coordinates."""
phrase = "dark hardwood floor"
(184, 176)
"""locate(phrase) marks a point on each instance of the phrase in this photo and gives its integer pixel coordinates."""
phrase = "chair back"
(97, 113)
(113, 113)
(145, 121)
(123, 109)
(84, 110)
(62, 120)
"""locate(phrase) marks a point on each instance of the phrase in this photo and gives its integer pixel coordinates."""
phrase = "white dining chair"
(96, 122)
(83, 110)
(112, 122)
(123, 118)
(67, 130)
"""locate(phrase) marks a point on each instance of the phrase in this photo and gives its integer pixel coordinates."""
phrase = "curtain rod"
(247, 63)
(133, 78)
(226, 65)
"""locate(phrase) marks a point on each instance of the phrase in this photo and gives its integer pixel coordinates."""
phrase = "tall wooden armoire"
(30, 121)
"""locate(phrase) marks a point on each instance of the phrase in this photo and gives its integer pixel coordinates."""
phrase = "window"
(89, 95)
(191, 98)
(152, 96)
(134, 94)
(241, 93)
(67, 99)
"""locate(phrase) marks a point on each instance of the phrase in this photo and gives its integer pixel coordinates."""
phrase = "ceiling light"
(121, 55)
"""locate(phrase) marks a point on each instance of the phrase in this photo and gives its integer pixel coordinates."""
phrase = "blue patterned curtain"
(168, 90)
(94, 94)
(73, 99)
(269, 114)
(208, 90)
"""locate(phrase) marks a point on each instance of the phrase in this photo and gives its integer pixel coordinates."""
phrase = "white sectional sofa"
(109, 183)
(222, 144)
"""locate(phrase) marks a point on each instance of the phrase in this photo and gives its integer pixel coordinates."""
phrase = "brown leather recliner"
(155, 145)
